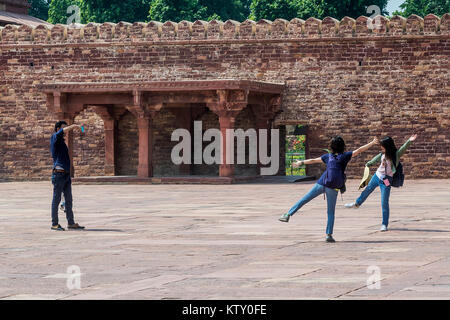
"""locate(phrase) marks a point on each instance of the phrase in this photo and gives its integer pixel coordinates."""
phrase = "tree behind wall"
(100, 10)
(288, 9)
(423, 7)
(114, 10)
(57, 12)
(191, 10)
(39, 9)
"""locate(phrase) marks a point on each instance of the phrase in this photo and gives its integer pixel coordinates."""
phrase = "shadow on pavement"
(370, 241)
(417, 230)
(101, 230)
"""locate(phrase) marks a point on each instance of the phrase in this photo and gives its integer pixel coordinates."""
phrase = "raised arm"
(365, 147)
(405, 146)
(71, 127)
(306, 162)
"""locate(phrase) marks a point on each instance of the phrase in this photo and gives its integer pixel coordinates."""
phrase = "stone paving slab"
(223, 242)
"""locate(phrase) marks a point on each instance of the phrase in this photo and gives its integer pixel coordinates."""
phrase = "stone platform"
(224, 242)
(164, 180)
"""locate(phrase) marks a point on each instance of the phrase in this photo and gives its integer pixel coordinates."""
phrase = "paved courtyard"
(223, 242)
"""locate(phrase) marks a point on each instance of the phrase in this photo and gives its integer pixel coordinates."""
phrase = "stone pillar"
(230, 103)
(226, 122)
(69, 142)
(110, 126)
(68, 137)
(145, 167)
(110, 129)
(59, 104)
(145, 114)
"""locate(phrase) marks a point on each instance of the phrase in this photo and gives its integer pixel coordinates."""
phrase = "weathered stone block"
(347, 27)
(296, 28)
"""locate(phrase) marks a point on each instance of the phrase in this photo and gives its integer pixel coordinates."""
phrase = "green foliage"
(178, 10)
(295, 144)
(288, 9)
(39, 9)
(100, 10)
(114, 10)
(295, 150)
(57, 12)
(423, 7)
(272, 9)
(290, 170)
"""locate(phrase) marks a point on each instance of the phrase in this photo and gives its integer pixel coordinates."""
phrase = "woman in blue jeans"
(383, 177)
(336, 160)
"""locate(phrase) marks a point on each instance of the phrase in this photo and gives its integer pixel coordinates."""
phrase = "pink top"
(385, 168)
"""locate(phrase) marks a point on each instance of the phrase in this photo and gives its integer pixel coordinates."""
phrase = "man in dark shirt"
(62, 183)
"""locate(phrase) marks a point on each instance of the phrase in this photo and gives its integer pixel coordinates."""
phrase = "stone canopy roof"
(20, 19)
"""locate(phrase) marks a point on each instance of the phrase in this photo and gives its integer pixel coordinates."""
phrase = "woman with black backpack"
(331, 181)
(387, 175)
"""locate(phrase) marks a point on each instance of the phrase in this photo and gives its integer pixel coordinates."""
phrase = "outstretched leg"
(315, 191)
(373, 184)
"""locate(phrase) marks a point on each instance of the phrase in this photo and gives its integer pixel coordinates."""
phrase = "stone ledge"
(199, 30)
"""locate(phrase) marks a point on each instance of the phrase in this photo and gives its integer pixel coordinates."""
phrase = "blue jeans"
(62, 183)
(315, 191)
(385, 193)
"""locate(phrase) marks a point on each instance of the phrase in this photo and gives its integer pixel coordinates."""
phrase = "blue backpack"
(334, 175)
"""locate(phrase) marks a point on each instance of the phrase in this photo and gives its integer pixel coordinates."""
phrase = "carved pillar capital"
(265, 110)
(145, 111)
(229, 103)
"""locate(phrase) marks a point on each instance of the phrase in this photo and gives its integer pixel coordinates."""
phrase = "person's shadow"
(101, 230)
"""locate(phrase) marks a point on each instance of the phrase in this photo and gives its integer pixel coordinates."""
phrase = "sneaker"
(351, 205)
(383, 228)
(62, 207)
(75, 226)
(329, 238)
(57, 228)
(285, 217)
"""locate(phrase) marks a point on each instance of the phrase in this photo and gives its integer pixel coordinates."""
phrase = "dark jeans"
(62, 183)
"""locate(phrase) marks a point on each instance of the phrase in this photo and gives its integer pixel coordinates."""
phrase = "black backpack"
(399, 177)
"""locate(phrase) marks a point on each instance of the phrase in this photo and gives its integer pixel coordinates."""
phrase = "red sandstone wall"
(89, 148)
(341, 78)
